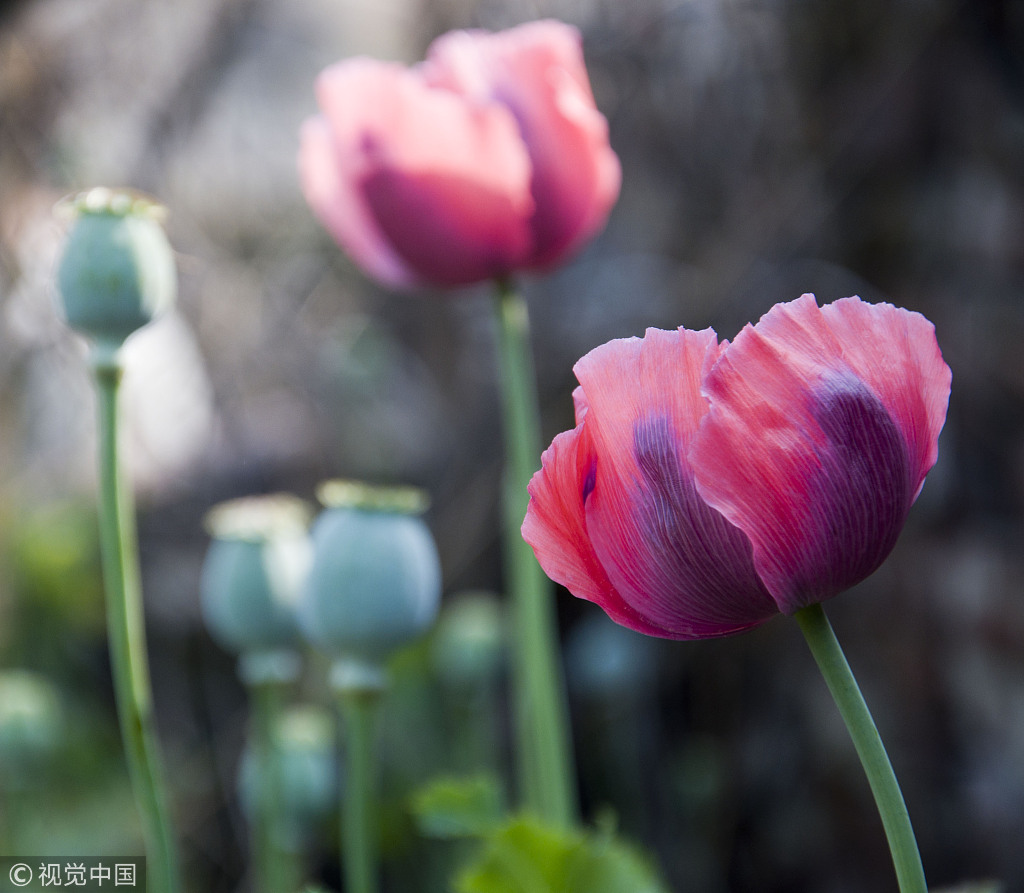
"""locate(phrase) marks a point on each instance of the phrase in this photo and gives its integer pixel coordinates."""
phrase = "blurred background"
(769, 148)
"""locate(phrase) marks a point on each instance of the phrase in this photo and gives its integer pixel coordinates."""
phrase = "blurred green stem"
(475, 745)
(359, 806)
(544, 747)
(13, 817)
(127, 637)
(270, 863)
(888, 797)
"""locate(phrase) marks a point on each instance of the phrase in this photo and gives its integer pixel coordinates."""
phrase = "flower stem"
(270, 867)
(127, 638)
(543, 740)
(358, 818)
(893, 810)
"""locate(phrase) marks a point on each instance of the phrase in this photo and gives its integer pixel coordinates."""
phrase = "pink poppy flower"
(707, 487)
(488, 157)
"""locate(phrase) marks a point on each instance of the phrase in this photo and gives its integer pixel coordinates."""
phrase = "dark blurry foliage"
(769, 147)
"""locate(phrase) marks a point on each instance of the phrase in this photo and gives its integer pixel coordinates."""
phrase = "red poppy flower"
(709, 486)
(487, 158)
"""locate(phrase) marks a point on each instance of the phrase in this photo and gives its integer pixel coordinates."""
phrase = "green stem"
(895, 819)
(127, 639)
(359, 804)
(544, 747)
(269, 862)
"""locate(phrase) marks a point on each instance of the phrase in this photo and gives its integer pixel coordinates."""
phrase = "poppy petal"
(438, 185)
(813, 455)
(555, 526)
(537, 71)
(341, 207)
(669, 555)
(896, 354)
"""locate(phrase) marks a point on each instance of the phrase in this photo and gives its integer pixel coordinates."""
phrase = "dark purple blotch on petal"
(700, 567)
(865, 489)
(590, 481)
(446, 252)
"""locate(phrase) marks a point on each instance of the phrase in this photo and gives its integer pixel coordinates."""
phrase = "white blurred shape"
(167, 404)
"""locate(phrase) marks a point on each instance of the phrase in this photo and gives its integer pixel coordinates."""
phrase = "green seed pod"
(606, 660)
(117, 271)
(254, 571)
(307, 775)
(375, 583)
(469, 642)
(31, 727)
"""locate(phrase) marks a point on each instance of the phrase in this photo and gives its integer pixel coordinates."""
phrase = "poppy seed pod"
(375, 583)
(609, 662)
(304, 750)
(254, 571)
(31, 721)
(469, 642)
(117, 271)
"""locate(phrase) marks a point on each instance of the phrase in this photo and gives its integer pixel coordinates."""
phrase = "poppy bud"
(117, 271)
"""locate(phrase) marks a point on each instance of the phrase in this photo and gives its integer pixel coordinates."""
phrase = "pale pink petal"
(555, 527)
(340, 207)
(537, 70)
(579, 402)
(668, 555)
(802, 452)
(441, 181)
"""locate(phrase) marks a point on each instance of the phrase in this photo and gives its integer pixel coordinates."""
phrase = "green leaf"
(521, 857)
(459, 807)
(525, 856)
(608, 865)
